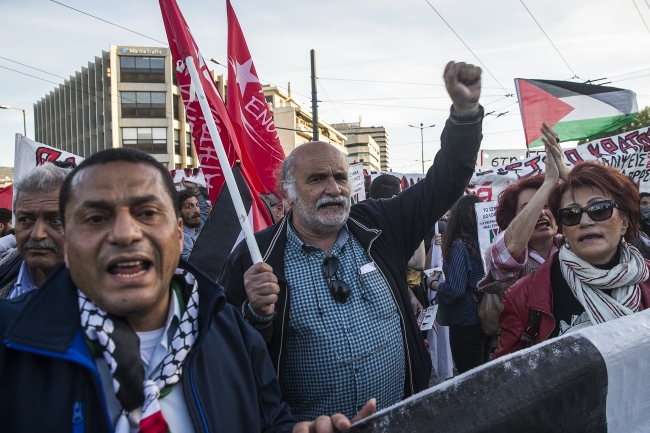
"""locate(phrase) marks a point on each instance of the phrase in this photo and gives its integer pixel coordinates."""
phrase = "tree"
(642, 120)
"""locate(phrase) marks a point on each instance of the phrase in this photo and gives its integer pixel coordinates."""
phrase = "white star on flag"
(244, 74)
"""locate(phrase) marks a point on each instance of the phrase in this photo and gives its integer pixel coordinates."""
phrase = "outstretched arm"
(521, 228)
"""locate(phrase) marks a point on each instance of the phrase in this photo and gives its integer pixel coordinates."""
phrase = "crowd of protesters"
(105, 325)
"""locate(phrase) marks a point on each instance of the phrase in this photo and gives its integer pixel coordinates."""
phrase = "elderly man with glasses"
(331, 298)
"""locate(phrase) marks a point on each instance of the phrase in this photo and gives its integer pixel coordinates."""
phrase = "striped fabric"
(507, 267)
(587, 283)
(462, 271)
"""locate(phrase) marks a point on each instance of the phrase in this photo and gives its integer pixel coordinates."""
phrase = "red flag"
(262, 152)
(218, 227)
(6, 196)
(182, 45)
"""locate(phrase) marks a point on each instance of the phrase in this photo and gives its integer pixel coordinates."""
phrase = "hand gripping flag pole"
(246, 227)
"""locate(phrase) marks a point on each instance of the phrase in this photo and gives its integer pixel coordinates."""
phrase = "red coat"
(535, 292)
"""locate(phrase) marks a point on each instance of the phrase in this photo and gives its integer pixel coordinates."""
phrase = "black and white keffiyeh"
(120, 348)
(587, 283)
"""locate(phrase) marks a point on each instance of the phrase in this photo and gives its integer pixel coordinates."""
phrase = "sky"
(378, 59)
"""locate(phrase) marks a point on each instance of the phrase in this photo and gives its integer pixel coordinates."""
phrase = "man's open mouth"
(130, 269)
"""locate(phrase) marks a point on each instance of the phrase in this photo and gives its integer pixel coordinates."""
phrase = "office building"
(378, 134)
(364, 149)
(127, 97)
(294, 122)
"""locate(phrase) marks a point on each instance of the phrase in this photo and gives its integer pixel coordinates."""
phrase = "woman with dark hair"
(463, 269)
(595, 277)
(528, 230)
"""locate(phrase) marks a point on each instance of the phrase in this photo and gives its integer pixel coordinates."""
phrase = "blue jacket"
(49, 382)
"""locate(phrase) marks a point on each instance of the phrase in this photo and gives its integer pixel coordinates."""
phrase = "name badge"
(369, 267)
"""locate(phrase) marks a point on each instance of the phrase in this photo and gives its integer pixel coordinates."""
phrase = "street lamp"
(422, 127)
(214, 60)
(6, 107)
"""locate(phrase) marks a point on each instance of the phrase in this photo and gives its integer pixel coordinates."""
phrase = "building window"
(142, 69)
(143, 104)
(188, 144)
(177, 142)
(150, 140)
(175, 99)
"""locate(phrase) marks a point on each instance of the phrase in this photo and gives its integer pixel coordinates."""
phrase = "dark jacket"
(10, 265)
(49, 381)
(535, 292)
(390, 230)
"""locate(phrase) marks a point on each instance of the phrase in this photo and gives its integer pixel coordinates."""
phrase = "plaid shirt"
(337, 362)
(506, 267)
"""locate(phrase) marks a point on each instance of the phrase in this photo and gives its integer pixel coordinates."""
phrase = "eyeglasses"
(339, 290)
(599, 211)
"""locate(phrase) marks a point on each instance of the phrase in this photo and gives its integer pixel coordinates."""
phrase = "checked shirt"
(354, 351)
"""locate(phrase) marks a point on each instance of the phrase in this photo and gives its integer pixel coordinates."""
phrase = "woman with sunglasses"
(463, 268)
(595, 277)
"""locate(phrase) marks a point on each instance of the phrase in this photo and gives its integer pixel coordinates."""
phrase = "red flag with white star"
(262, 152)
(221, 232)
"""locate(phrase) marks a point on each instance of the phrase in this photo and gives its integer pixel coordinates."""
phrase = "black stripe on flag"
(560, 386)
(221, 230)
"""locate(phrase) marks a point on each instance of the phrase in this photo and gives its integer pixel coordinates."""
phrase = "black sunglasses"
(599, 211)
(339, 290)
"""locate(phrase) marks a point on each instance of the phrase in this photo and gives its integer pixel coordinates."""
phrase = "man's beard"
(319, 223)
(193, 225)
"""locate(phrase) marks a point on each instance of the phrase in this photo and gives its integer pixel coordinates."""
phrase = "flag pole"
(256, 256)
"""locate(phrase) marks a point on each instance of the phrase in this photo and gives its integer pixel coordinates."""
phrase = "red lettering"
(573, 156)
(608, 145)
(43, 155)
(631, 136)
(593, 149)
(485, 193)
(533, 163)
(623, 145)
(513, 166)
(643, 139)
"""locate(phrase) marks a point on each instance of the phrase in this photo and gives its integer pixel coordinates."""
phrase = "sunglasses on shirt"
(339, 290)
(599, 211)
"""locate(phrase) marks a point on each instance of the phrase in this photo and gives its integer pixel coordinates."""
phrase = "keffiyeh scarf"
(587, 283)
(120, 347)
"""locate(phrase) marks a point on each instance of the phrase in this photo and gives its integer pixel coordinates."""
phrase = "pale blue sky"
(354, 39)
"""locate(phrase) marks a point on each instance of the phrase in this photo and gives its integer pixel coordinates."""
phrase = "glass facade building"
(127, 97)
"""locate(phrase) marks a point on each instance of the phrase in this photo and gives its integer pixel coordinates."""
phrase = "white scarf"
(587, 283)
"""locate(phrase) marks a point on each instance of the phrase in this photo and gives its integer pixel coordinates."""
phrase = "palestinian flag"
(574, 110)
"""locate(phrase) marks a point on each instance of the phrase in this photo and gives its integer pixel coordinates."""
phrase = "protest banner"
(626, 152)
(486, 223)
(191, 174)
(357, 183)
(29, 154)
(490, 158)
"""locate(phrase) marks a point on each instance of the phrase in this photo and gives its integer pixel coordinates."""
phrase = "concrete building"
(294, 122)
(363, 148)
(128, 97)
(378, 133)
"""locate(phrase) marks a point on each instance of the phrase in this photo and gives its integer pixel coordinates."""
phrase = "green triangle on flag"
(574, 110)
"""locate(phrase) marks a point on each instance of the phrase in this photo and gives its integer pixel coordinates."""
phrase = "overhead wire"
(641, 16)
(549, 39)
(119, 99)
(330, 101)
(466, 46)
(396, 82)
(108, 22)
